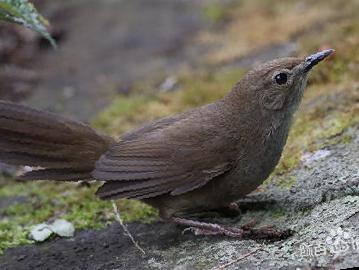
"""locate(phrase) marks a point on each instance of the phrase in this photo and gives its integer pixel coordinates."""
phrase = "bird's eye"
(281, 78)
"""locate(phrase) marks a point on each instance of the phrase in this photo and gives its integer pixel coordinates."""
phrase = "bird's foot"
(234, 206)
(246, 231)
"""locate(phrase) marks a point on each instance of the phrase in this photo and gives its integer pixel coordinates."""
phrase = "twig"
(220, 267)
(124, 227)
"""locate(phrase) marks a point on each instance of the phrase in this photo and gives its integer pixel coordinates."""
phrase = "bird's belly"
(245, 177)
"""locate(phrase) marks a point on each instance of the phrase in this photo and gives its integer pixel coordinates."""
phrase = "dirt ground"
(103, 45)
(95, 250)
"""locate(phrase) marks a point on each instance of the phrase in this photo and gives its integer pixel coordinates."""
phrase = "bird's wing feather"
(167, 159)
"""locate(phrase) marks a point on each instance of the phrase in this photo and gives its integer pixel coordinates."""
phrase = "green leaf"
(24, 13)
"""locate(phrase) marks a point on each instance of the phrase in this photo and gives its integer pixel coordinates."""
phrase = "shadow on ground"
(103, 249)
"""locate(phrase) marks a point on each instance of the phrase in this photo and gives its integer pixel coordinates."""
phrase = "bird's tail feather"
(58, 148)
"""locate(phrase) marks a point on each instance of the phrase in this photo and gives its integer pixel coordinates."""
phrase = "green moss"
(343, 65)
(278, 213)
(347, 139)
(288, 163)
(332, 72)
(197, 89)
(286, 182)
(200, 89)
(214, 12)
(121, 108)
(47, 201)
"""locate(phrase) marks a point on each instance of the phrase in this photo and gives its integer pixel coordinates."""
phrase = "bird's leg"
(234, 206)
(204, 228)
(230, 211)
(246, 231)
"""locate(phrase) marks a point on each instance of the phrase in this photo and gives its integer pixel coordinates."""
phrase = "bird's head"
(278, 85)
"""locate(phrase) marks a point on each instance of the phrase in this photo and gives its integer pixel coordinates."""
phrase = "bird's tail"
(57, 148)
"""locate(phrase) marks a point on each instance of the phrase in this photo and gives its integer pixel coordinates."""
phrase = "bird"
(200, 160)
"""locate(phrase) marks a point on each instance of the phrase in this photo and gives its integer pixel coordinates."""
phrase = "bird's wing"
(171, 158)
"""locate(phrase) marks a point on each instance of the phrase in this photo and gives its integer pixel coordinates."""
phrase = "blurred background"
(120, 64)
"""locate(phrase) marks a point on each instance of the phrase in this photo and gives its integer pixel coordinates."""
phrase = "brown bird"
(200, 160)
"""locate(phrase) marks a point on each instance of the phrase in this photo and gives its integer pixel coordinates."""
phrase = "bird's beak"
(314, 59)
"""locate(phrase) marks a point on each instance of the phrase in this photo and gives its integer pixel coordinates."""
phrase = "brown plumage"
(64, 149)
(200, 160)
